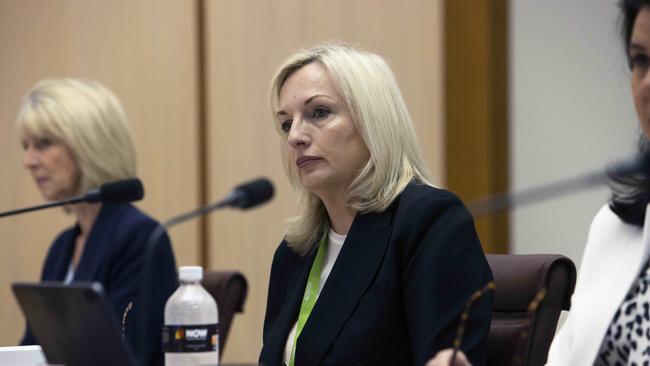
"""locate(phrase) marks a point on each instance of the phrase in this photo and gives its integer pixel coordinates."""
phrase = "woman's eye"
(42, 144)
(286, 126)
(320, 112)
(639, 61)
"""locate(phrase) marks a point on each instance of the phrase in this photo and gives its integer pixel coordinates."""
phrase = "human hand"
(443, 358)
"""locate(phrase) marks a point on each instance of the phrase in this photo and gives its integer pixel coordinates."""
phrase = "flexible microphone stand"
(67, 201)
(509, 200)
(125, 190)
(244, 196)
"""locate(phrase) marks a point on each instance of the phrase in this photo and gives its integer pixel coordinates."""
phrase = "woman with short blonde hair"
(89, 119)
(75, 137)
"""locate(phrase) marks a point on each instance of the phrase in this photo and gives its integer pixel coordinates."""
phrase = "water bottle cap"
(190, 273)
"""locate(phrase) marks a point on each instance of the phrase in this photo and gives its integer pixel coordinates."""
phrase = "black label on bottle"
(190, 338)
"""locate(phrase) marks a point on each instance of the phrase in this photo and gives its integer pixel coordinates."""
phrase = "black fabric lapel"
(98, 243)
(291, 306)
(62, 256)
(352, 274)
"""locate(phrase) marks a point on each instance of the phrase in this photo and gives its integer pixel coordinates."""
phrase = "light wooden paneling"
(246, 41)
(146, 52)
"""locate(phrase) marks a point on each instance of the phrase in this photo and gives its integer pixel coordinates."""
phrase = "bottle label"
(190, 338)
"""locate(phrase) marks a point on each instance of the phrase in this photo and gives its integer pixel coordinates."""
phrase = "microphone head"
(251, 194)
(126, 190)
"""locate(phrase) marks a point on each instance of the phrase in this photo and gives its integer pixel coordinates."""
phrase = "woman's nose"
(30, 158)
(645, 81)
(298, 135)
(642, 90)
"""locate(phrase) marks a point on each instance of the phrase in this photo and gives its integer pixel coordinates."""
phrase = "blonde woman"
(377, 266)
(75, 137)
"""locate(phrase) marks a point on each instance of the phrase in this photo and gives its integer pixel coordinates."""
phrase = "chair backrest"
(229, 289)
(518, 279)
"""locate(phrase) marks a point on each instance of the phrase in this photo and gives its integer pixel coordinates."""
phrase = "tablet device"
(73, 323)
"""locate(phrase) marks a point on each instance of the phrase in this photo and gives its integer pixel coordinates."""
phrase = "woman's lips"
(306, 160)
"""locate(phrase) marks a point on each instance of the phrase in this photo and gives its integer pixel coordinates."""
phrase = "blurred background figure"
(364, 273)
(75, 137)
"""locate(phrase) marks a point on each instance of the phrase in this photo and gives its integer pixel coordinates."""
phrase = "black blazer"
(395, 293)
(113, 256)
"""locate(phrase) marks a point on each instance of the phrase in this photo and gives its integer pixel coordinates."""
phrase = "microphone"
(244, 196)
(249, 194)
(126, 190)
(638, 165)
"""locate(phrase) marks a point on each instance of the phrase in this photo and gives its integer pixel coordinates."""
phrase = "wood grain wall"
(146, 52)
(194, 76)
(476, 108)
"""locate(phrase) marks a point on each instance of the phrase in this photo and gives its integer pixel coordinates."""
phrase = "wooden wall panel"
(146, 52)
(245, 41)
(476, 97)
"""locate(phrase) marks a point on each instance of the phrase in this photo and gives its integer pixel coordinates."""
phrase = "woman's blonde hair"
(86, 117)
(370, 91)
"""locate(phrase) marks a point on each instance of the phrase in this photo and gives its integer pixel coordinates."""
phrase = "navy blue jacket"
(395, 293)
(113, 256)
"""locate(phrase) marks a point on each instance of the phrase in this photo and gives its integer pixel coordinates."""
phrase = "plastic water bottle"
(191, 332)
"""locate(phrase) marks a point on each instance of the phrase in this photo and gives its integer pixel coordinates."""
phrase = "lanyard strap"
(310, 295)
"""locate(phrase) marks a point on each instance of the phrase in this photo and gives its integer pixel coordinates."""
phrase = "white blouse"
(69, 276)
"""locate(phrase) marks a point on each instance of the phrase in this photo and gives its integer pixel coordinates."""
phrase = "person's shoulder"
(126, 219)
(127, 224)
(419, 196)
(133, 215)
(422, 208)
(284, 264)
(606, 227)
(417, 191)
(284, 251)
(606, 221)
(285, 257)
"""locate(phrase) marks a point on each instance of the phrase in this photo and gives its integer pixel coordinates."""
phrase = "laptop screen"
(73, 323)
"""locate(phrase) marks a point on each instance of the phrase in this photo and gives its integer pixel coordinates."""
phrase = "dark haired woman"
(609, 322)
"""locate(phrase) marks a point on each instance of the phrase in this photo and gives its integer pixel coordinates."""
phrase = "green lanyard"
(310, 295)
